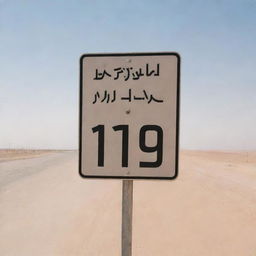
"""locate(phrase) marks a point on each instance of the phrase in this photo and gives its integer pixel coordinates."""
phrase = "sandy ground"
(15, 154)
(47, 209)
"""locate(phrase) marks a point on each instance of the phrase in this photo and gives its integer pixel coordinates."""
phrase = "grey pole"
(127, 202)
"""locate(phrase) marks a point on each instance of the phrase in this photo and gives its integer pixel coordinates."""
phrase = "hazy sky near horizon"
(41, 42)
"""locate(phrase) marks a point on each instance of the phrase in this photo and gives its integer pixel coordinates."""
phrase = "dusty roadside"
(16, 154)
(47, 209)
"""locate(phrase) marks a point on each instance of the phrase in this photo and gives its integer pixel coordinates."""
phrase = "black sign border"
(81, 114)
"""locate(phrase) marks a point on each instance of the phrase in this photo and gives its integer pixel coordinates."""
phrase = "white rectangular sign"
(129, 115)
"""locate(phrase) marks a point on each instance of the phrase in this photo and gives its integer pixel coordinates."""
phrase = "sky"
(41, 42)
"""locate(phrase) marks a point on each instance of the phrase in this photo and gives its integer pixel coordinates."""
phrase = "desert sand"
(14, 154)
(209, 210)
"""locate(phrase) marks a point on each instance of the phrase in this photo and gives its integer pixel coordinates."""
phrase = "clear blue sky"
(41, 41)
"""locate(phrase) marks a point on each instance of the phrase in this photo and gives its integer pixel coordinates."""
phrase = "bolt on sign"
(129, 115)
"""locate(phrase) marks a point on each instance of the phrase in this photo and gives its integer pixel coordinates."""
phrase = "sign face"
(129, 115)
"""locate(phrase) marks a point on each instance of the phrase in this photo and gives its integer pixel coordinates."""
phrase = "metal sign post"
(129, 121)
(127, 203)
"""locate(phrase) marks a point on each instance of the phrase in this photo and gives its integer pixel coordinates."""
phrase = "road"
(47, 209)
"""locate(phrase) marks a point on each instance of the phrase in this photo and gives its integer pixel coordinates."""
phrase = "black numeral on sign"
(158, 148)
(101, 141)
(125, 142)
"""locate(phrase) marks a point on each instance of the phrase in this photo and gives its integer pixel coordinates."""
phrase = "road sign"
(129, 115)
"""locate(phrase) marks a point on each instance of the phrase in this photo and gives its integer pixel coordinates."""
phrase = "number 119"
(158, 148)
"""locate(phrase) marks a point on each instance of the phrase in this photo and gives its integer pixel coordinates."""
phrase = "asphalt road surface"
(47, 209)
